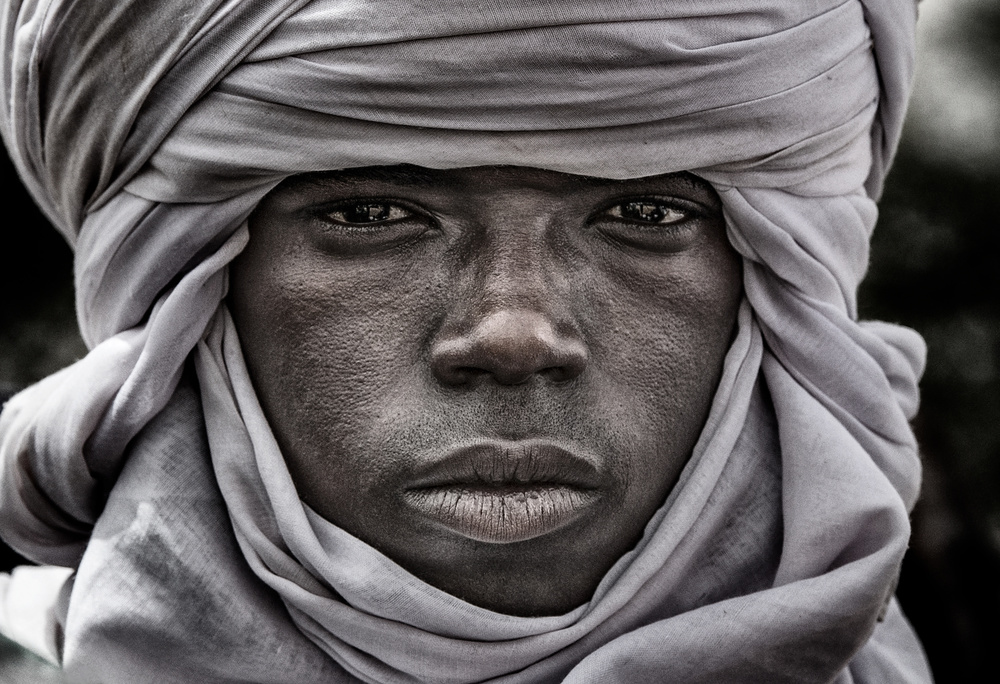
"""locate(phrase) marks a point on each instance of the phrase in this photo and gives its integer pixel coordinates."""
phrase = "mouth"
(505, 492)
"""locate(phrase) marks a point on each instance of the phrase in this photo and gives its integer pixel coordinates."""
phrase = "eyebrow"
(401, 174)
(412, 176)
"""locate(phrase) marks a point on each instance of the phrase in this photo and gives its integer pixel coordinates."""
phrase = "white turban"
(149, 131)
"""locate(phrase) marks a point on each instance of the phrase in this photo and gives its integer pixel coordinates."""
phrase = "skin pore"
(493, 375)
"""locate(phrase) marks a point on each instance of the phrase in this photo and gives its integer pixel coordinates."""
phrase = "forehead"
(485, 178)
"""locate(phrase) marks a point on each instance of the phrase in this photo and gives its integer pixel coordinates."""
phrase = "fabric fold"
(791, 110)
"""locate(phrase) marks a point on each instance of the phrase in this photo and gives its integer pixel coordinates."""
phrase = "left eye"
(367, 213)
(648, 223)
(644, 211)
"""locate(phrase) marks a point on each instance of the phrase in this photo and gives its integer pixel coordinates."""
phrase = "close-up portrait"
(510, 341)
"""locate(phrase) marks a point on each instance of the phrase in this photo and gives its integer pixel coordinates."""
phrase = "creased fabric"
(148, 132)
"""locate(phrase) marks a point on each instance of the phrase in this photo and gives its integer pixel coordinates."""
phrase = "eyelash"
(396, 212)
(619, 211)
(675, 211)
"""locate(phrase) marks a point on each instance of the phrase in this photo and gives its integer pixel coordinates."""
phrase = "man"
(418, 328)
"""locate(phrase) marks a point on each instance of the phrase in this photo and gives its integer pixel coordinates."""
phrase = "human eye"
(650, 212)
(366, 213)
(651, 223)
(361, 226)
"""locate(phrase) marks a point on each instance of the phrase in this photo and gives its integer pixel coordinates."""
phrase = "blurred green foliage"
(38, 333)
(935, 266)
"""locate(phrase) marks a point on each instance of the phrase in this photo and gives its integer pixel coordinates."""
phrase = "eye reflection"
(367, 213)
(646, 211)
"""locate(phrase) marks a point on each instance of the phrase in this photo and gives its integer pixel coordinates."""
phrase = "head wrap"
(148, 132)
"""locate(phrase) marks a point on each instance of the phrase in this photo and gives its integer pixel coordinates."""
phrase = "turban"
(148, 132)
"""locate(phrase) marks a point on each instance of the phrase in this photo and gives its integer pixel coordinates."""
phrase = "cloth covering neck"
(791, 110)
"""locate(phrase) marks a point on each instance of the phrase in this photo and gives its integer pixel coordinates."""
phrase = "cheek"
(328, 344)
(659, 335)
(666, 315)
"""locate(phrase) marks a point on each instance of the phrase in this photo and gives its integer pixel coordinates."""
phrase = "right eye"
(367, 213)
(367, 226)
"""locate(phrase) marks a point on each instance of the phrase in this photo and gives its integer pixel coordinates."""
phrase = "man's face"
(492, 375)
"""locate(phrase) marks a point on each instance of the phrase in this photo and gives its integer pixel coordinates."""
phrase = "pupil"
(367, 213)
(644, 211)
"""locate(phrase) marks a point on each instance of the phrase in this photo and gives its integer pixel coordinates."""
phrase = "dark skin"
(390, 317)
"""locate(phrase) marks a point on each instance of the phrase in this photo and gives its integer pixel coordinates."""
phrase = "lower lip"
(502, 515)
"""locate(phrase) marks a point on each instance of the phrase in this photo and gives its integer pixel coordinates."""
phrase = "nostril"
(448, 365)
(571, 364)
(512, 347)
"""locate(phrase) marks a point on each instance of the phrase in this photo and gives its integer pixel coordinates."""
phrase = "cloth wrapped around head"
(148, 132)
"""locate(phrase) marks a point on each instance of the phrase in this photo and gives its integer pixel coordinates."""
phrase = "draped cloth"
(148, 132)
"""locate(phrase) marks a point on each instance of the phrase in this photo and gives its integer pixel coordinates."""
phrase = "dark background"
(935, 267)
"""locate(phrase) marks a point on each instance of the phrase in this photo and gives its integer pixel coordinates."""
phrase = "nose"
(511, 346)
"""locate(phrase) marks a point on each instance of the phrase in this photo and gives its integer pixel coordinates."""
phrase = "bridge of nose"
(512, 315)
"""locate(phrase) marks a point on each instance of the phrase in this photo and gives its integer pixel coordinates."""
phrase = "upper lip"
(508, 465)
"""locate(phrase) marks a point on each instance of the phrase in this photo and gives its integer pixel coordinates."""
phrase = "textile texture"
(148, 132)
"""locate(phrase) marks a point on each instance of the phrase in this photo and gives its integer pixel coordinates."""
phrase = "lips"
(505, 492)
